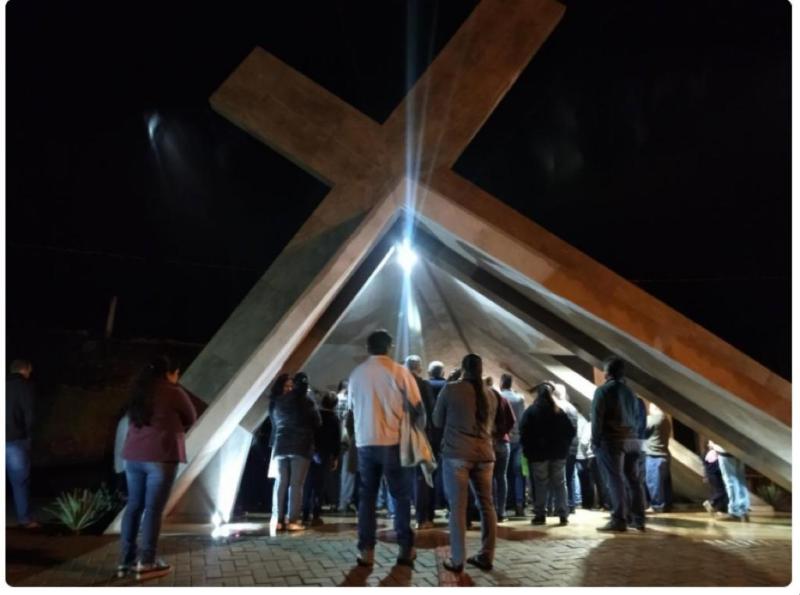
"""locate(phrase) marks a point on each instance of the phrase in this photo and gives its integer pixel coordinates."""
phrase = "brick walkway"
(677, 550)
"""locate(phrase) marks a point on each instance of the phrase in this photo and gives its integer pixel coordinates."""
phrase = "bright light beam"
(406, 257)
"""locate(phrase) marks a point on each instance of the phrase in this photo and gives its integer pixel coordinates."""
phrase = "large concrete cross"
(372, 170)
(362, 161)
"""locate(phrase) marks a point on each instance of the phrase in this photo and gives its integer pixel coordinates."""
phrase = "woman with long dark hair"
(160, 414)
(546, 433)
(467, 414)
(295, 418)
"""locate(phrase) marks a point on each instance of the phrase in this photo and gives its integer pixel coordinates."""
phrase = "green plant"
(78, 509)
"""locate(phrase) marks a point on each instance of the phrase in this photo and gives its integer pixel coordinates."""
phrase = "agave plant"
(78, 509)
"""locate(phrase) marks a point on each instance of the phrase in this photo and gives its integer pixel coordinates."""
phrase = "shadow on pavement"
(660, 560)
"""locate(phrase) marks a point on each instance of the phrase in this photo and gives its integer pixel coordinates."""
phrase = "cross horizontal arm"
(298, 118)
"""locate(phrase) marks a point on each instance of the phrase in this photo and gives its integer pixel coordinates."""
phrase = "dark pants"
(516, 482)
(18, 469)
(373, 463)
(596, 474)
(314, 488)
(149, 484)
(659, 489)
(621, 464)
(588, 496)
(424, 496)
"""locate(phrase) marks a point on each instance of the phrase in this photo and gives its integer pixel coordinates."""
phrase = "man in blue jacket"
(615, 438)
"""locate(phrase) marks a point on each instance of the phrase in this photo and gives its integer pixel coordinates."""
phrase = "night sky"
(654, 136)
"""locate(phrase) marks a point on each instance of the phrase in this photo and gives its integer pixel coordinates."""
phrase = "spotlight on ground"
(406, 257)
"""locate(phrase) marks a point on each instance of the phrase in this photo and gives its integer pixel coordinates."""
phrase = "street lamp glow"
(406, 257)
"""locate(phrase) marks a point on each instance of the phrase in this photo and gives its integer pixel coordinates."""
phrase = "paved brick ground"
(681, 550)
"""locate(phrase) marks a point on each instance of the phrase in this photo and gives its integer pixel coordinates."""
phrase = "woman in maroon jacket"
(160, 414)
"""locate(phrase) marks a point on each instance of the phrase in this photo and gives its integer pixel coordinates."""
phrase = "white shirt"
(378, 389)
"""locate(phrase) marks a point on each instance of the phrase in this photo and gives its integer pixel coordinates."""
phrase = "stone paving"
(687, 549)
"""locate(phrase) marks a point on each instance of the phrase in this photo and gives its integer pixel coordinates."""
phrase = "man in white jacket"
(379, 389)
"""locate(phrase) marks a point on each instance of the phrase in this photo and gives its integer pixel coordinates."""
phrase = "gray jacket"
(463, 437)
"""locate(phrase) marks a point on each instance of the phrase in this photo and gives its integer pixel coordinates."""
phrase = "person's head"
(160, 368)
(300, 382)
(488, 381)
(505, 382)
(544, 394)
(23, 367)
(436, 369)
(472, 365)
(614, 368)
(343, 384)
(329, 401)
(379, 342)
(414, 364)
(282, 385)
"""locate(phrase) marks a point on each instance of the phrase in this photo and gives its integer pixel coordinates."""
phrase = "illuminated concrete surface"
(688, 549)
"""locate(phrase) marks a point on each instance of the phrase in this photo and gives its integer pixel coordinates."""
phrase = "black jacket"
(19, 407)
(545, 433)
(328, 437)
(295, 419)
(618, 416)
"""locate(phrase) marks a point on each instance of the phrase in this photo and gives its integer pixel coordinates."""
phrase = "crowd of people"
(477, 451)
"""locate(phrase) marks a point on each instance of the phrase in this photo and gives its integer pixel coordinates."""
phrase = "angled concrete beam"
(758, 439)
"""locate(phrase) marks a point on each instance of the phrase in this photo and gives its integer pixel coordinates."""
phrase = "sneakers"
(502, 519)
(538, 520)
(709, 507)
(480, 561)
(563, 521)
(366, 558)
(612, 527)
(123, 570)
(452, 566)
(295, 527)
(520, 511)
(152, 570)
(407, 557)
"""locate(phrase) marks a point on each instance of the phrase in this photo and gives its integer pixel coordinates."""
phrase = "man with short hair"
(616, 443)
(516, 482)
(19, 425)
(379, 390)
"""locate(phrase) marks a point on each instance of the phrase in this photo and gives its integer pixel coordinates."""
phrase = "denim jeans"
(18, 469)
(292, 470)
(149, 484)
(314, 488)
(458, 475)
(569, 474)
(583, 473)
(549, 476)
(657, 481)
(732, 470)
(516, 482)
(502, 452)
(621, 464)
(375, 462)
